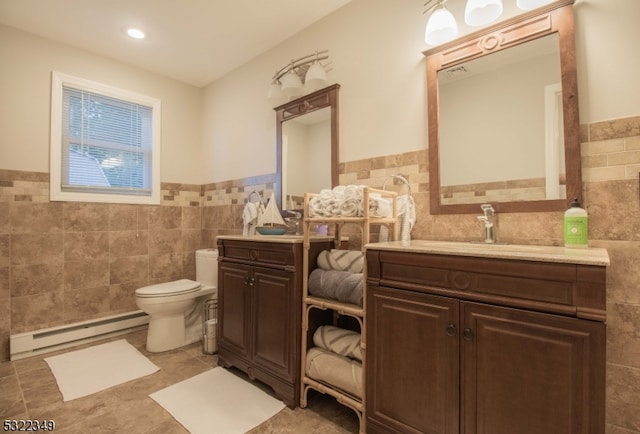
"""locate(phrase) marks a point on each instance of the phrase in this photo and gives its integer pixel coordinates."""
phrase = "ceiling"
(193, 41)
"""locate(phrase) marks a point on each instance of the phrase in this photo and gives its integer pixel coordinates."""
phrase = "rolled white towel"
(331, 208)
(326, 193)
(350, 207)
(315, 207)
(351, 192)
(338, 192)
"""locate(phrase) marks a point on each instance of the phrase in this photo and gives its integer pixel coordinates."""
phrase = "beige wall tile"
(165, 241)
(5, 250)
(37, 278)
(37, 248)
(5, 216)
(623, 329)
(5, 282)
(86, 273)
(614, 211)
(165, 267)
(165, 217)
(128, 243)
(86, 245)
(86, 216)
(27, 217)
(191, 217)
(83, 304)
(128, 269)
(122, 297)
(623, 384)
(123, 217)
(34, 312)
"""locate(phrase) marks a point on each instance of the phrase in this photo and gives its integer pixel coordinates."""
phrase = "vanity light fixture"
(482, 12)
(442, 26)
(300, 76)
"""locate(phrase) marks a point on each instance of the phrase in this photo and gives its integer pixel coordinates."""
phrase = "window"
(105, 143)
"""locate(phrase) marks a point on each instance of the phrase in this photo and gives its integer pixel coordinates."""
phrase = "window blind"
(106, 144)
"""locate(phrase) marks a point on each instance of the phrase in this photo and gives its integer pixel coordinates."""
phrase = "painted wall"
(25, 86)
(376, 51)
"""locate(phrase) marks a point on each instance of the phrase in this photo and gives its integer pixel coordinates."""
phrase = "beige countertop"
(590, 256)
(275, 238)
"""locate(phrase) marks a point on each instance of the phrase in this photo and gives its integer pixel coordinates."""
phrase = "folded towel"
(339, 341)
(406, 219)
(249, 218)
(341, 260)
(336, 370)
(337, 285)
(379, 206)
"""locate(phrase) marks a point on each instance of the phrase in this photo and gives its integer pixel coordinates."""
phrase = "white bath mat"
(90, 370)
(217, 402)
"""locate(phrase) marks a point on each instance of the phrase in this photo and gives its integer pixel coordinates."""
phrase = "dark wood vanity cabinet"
(476, 345)
(259, 311)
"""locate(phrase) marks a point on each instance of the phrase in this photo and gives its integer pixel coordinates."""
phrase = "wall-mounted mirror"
(503, 116)
(307, 146)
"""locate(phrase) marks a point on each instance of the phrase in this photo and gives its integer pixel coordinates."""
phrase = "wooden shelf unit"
(334, 307)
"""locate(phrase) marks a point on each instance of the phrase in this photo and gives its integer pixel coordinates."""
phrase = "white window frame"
(56, 193)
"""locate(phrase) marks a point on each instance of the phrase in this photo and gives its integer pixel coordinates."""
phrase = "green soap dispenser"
(576, 226)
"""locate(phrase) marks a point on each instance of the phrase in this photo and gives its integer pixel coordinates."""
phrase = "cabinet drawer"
(260, 253)
(563, 288)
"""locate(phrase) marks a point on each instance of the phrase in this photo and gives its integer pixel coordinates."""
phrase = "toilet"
(175, 308)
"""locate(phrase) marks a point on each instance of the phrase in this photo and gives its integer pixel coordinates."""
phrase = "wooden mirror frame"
(327, 97)
(557, 18)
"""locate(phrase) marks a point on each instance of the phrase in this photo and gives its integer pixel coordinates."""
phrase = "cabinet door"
(234, 305)
(412, 369)
(531, 373)
(275, 311)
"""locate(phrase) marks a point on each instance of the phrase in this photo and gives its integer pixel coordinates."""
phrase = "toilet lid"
(175, 287)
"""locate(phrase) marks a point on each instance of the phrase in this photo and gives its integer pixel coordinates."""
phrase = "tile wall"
(62, 262)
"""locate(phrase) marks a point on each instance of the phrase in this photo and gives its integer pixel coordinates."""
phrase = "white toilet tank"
(207, 267)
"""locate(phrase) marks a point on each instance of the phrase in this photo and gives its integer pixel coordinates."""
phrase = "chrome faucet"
(489, 220)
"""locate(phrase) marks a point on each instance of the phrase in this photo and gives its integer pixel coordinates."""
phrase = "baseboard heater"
(43, 341)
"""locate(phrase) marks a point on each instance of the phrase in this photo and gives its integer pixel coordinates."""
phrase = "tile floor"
(28, 391)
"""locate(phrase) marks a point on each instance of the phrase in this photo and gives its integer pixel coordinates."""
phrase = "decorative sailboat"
(270, 222)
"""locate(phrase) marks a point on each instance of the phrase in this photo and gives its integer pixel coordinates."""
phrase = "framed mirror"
(503, 116)
(306, 146)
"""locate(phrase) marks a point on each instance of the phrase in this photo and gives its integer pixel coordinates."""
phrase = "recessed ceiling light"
(135, 33)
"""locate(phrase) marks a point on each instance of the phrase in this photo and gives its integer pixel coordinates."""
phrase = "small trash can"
(210, 332)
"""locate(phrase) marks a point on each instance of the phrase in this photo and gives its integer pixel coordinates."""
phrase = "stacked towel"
(341, 260)
(340, 341)
(335, 369)
(337, 285)
(347, 201)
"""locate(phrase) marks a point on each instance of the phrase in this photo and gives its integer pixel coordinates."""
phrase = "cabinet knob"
(451, 329)
(467, 335)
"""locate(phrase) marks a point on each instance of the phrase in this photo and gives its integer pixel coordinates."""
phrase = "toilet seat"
(168, 289)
